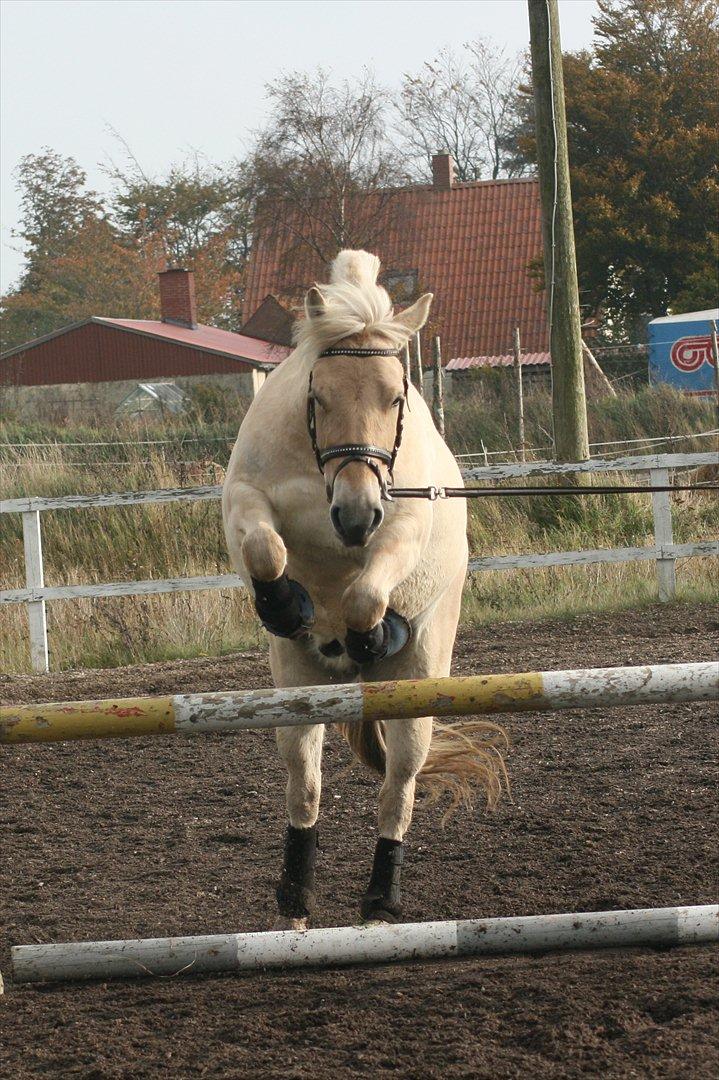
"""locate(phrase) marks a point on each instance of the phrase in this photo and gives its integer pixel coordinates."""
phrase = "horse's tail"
(464, 758)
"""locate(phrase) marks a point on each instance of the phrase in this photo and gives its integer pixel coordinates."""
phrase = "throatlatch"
(296, 889)
(382, 899)
(284, 607)
(383, 640)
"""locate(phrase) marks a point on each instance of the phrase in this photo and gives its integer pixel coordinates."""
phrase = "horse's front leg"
(407, 746)
(374, 630)
(283, 605)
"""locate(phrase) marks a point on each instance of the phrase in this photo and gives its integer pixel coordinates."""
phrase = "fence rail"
(664, 551)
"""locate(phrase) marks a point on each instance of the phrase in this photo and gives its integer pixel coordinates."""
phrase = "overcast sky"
(173, 76)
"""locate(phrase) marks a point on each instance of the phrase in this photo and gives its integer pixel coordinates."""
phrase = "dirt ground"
(612, 809)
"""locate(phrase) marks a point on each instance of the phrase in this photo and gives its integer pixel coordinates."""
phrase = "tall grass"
(186, 539)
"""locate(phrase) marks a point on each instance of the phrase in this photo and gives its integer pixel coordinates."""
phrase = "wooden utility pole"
(418, 358)
(520, 392)
(569, 406)
(437, 387)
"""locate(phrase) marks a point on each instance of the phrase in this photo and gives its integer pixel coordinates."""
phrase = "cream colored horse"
(366, 588)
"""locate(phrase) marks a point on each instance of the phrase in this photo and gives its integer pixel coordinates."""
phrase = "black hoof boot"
(296, 890)
(383, 640)
(284, 607)
(382, 900)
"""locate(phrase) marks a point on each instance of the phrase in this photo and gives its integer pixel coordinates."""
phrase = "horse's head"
(357, 390)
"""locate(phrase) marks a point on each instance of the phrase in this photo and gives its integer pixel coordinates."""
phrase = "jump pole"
(373, 944)
(241, 710)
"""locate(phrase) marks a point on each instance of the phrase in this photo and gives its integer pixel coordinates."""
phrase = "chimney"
(443, 171)
(177, 298)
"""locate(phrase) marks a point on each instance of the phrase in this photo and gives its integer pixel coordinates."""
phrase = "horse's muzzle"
(355, 524)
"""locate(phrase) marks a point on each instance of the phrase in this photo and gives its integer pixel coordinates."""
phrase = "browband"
(356, 451)
(360, 352)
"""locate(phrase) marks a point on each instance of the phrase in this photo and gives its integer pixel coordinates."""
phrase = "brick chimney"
(177, 298)
(443, 171)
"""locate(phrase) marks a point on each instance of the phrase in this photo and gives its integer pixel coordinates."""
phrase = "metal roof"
(208, 338)
(463, 363)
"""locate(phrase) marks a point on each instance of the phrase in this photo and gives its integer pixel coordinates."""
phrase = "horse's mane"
(354, 304)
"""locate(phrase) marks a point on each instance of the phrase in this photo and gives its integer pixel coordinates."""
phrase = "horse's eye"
(398, 401)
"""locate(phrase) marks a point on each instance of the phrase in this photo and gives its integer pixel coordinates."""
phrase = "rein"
(368, 454)
(432, 493)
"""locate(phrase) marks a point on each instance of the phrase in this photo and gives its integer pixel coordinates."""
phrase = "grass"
(172, 540)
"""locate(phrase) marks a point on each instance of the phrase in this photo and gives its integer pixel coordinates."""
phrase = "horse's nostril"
(335, 519)
(377, 521)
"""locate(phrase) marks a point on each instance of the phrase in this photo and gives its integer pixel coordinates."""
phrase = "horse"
(370, 590)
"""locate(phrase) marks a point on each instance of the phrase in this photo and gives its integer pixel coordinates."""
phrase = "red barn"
(107, 350)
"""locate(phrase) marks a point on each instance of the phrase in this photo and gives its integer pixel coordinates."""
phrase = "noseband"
(367, 454)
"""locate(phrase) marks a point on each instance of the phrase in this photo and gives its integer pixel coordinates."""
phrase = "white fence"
(664, 551)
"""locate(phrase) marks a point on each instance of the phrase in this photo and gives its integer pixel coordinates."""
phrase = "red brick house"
(471, 244)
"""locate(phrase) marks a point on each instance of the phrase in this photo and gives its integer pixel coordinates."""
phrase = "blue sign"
(680, 352)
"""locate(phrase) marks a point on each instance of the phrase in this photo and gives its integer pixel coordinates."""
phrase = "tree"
(95, 274)
(199, 216)
(464, 104)
(323, 151)
(643, 117)
(54, 205)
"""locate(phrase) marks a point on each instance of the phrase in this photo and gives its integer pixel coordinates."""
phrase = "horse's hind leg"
(407, 743)
(301, 751)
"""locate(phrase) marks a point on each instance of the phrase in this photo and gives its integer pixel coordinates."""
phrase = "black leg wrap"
(383, 640)
(283, 606)
(296, 890)
(382, 899)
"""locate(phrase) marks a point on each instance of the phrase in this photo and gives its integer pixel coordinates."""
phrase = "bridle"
(369, 455)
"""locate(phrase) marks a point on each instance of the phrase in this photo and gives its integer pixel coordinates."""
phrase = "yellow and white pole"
(241, 710)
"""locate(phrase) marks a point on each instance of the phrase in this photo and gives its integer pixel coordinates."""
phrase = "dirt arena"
(611, 809)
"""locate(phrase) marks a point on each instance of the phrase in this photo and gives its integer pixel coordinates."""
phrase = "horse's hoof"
(282, 922)
(380, 918)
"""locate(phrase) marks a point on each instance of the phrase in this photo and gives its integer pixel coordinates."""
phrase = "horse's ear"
(314, 303)
(413, 318)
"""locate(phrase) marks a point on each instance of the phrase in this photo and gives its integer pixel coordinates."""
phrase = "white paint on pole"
(374, 944)
(35, 579)
(649, 684)
(277, 707)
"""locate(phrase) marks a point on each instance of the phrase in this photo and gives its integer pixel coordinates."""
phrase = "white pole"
(662, 512)
(374, 944)
(520, 393)
(35, 579)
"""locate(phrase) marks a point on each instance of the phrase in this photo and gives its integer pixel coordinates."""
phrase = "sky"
(174, 77)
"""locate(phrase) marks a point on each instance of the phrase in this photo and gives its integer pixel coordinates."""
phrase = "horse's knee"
(264, 553)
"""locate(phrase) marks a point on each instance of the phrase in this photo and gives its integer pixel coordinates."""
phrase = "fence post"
(437, 388)
(418, 358)
(662, 511)
(35, 579)
(520, 393)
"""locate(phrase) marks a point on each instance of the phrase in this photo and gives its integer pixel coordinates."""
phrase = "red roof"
(206, 338)
(462, 363)
(470, 245)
